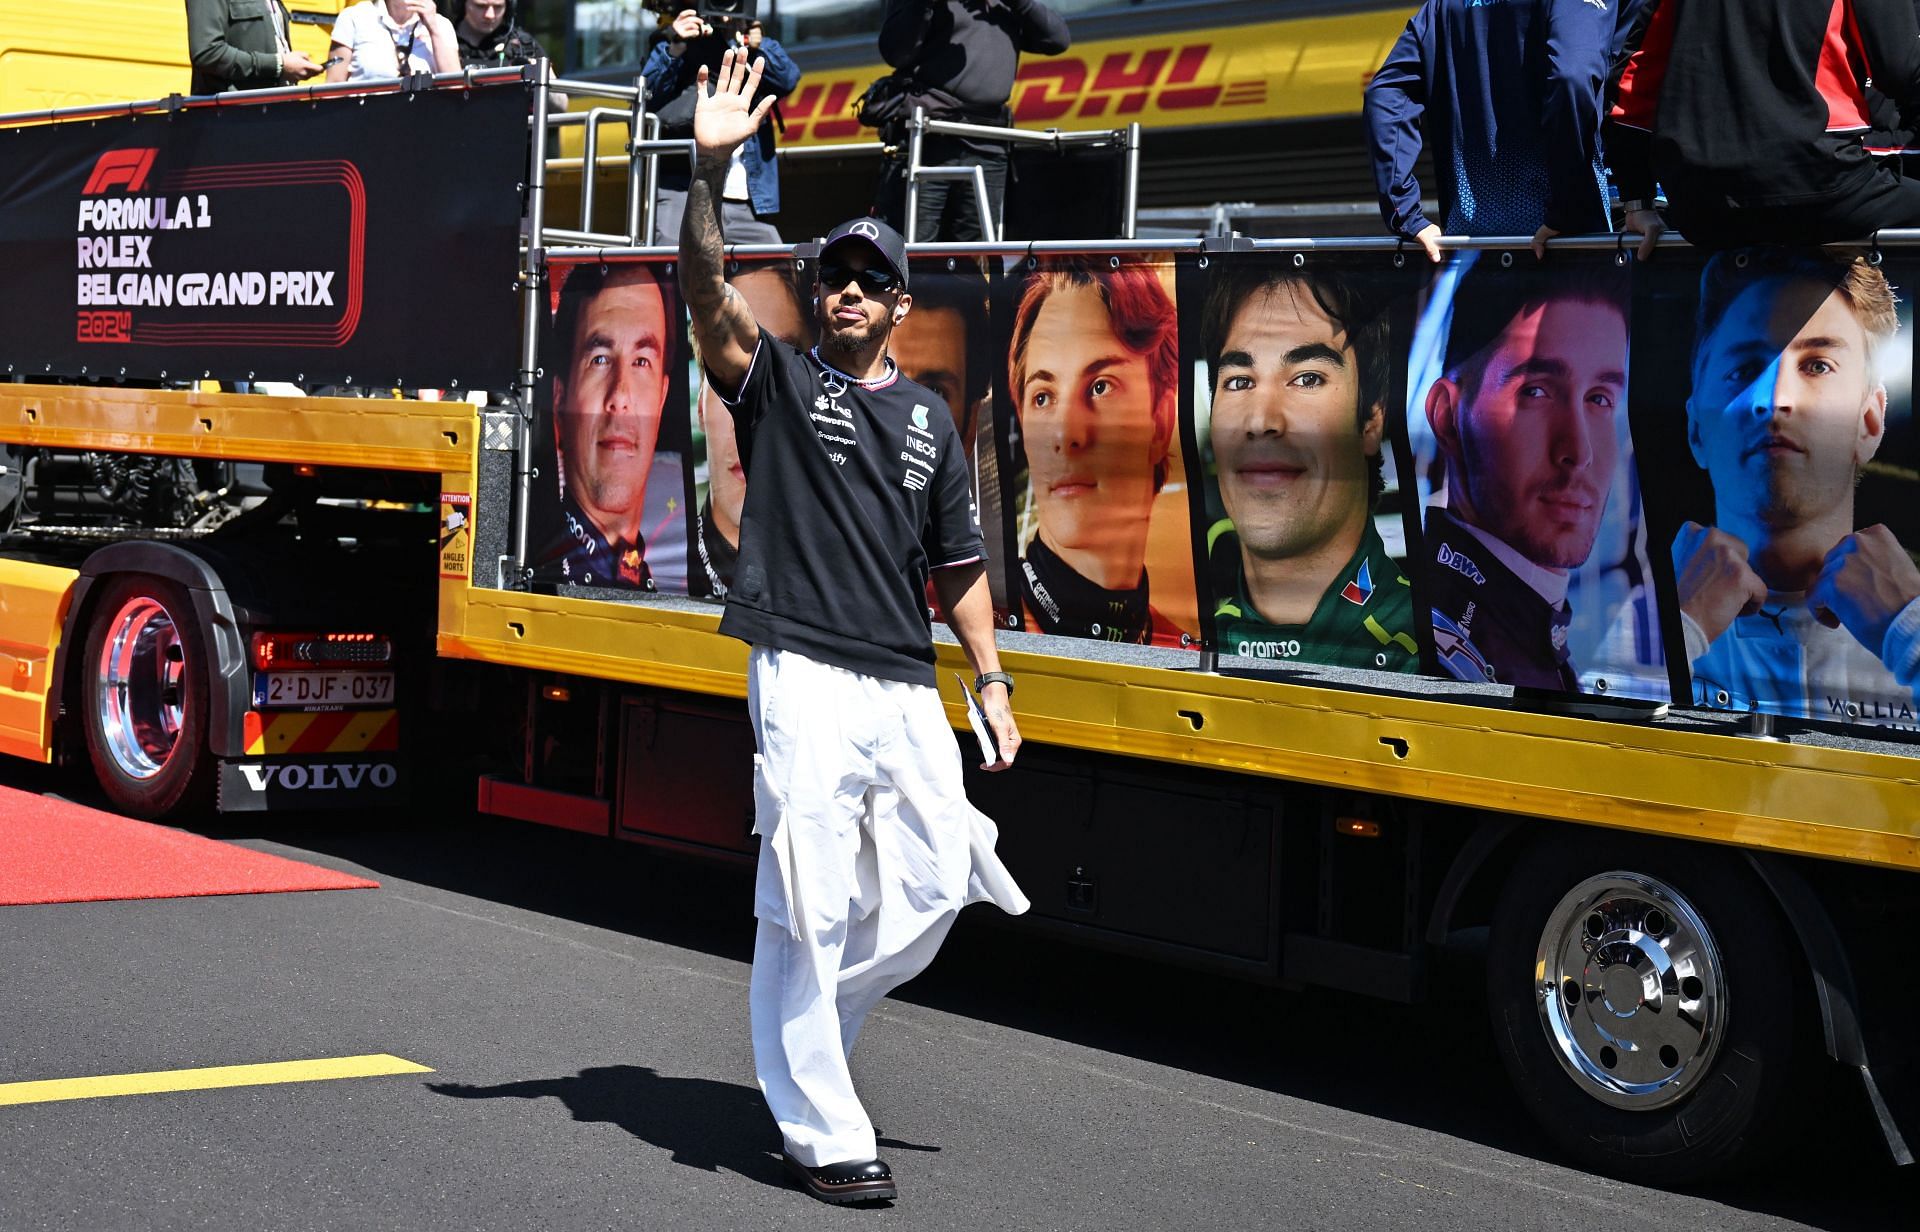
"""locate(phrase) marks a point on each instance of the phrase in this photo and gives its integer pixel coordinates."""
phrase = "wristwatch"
(981, 682)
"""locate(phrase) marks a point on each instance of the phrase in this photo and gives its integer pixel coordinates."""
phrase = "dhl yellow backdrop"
(1275, 70)
(80, 52)
(76, 53)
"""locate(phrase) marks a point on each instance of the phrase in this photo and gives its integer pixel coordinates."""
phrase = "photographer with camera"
(687, 41)
(957, 59)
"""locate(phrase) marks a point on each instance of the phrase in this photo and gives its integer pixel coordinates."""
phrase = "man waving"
(858, 491)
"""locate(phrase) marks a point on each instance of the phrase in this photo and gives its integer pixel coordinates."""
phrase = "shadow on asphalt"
(1431, 1065)
(712, 1126)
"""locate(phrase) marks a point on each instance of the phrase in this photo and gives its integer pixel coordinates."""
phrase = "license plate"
(279, 690)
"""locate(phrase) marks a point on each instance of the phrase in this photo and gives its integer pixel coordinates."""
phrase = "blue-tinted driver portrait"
(1787, 607)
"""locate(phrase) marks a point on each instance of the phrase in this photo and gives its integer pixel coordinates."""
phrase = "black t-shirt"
(855, 492)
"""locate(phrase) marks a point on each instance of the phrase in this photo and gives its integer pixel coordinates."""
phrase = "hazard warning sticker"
(456, 535)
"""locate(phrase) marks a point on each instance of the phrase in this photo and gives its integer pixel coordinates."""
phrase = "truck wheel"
(1644, 1001)
(145, 687)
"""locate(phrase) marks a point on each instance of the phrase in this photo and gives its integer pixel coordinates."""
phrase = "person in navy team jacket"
(1507, 95)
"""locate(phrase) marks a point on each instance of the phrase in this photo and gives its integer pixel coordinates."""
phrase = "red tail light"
(292, 651)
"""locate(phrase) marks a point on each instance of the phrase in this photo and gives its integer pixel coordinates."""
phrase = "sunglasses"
(872, 281)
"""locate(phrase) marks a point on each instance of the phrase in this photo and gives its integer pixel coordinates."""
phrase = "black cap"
(875, 235)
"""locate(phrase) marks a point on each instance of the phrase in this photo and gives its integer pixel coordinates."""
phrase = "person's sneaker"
(845, 1183)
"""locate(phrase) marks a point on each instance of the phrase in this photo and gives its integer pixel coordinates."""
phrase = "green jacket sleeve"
(232, 40)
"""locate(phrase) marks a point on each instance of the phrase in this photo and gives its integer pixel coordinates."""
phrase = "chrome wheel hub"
(1631, 990)
(142, 665)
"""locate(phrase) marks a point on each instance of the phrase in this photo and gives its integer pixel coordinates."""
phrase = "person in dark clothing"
(242, 45)
(859, 495)
(1508, 99)
(1891, 136)
(960, 56)
(751, 193)
(1752, 115)
(490, 37)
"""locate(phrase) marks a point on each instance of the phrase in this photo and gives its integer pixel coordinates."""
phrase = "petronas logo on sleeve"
(1360, 589)
(920, 417)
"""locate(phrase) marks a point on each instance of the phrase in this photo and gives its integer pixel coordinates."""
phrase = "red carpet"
(55, 852)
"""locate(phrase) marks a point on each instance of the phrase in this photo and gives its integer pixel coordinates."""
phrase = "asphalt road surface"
(582, 1008)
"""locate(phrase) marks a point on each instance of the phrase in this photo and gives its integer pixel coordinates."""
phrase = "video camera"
(740, 13)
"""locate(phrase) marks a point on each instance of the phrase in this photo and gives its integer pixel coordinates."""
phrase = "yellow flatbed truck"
(320, 594)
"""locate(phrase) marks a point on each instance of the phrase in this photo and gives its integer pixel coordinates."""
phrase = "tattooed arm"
(723, 326)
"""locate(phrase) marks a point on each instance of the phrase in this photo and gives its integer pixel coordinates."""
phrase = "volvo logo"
(324, 777)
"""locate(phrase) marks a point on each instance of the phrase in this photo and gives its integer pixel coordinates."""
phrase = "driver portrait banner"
(1773, 394)
(304, 242)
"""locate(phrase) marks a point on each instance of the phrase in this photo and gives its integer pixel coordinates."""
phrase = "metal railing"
(845, 149)
(533, 267)
(641, 155)
(1228, 218)
(918, 172)
(639, 158)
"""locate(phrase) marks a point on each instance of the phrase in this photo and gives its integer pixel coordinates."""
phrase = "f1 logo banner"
(307, 242)
(127, 168)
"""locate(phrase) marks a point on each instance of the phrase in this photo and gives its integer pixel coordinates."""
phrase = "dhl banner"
(1275, 70)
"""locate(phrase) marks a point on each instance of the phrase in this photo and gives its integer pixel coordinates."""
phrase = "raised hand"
(724, 117)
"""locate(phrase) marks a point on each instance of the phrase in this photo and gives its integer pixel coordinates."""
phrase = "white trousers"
(868, 851)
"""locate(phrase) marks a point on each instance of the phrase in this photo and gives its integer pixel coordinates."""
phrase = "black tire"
(1726, 1112)
(178, 776)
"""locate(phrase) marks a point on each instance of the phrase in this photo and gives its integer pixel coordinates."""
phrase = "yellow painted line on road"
(209, 1079)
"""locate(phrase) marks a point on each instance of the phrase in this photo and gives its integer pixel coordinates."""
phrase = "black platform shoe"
(846, 1183)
